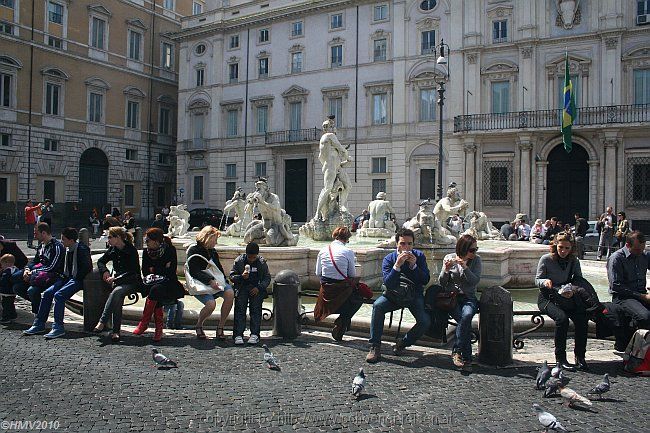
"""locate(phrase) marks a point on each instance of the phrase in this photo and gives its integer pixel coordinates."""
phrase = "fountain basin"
(510, 264)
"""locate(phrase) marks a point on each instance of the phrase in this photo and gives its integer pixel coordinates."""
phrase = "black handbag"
(403, 294)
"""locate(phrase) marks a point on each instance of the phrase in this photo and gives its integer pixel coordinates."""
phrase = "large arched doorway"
(93, 181)
(567, 183)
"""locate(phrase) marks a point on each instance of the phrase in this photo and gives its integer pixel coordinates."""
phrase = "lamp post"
(442, 60)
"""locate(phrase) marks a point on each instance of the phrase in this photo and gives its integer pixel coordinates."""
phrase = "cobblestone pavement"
(83, 383)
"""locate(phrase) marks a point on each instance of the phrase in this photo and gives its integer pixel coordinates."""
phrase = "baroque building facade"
(88, 105)
(257, 78)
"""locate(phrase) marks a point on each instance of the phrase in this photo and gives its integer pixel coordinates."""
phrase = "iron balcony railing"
(195, 144)
(551, 118)
(292, 136)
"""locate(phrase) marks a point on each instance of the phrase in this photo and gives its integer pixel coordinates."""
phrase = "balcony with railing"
(195, 145)
(298, 136)
(586, 116)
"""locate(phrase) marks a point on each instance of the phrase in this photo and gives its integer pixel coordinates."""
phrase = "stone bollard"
(495, 327)
(286, 305)
(84, 236)
(138, 239)
(95, 294)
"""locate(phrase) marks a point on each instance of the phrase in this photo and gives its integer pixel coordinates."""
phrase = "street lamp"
(442, 60)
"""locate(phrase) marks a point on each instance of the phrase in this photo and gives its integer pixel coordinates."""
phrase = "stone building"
(257, 78)
(88, 104)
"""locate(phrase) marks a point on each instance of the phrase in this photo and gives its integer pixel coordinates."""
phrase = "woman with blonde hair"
(126, 278)
(200, 257)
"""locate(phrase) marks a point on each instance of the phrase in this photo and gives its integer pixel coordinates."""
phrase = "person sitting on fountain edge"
(250, 275)
(412, 264)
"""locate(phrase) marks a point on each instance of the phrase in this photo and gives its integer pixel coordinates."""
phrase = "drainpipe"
(150, 131)
(29, 125)
(356, 99)
(248, 46)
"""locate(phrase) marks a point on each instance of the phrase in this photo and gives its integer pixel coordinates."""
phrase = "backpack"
(637, 353)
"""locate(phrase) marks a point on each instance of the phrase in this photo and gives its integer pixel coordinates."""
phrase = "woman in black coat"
(126, 279)
(159, 269)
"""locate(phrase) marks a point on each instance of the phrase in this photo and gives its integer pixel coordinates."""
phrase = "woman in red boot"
(159, 270)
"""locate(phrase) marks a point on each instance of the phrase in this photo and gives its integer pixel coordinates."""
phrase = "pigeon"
(571, 397)
(162, 360)
(556, 370)
(543, 375)
(358, 384)
(553, 386)
(548, 420)
(269, 359)
(601, 388)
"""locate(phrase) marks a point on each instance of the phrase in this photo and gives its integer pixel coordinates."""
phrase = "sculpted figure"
(444, 209)
(242, 217)
(333, 157)
(380, 210)
(275, 223)
(178, 221)
(423, 223)
(481, 228)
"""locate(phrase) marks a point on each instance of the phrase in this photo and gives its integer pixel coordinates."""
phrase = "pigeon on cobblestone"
(572, 398)
(548, 420)
(601, 388)
(269, 359)
(556, 370)
(162, 360)
(553, 385)
(358, 384)
(543, 375)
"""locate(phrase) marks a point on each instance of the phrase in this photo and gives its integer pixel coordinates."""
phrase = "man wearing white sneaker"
(250, 275)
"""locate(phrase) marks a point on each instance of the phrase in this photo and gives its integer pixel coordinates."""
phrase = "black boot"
(564, 364)
(581, 363)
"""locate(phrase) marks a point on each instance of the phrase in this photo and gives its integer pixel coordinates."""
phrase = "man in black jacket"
(77, 264)
(251, 277)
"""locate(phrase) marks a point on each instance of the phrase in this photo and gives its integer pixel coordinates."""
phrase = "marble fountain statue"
(331, 210)
(379, 225)
(510, 264)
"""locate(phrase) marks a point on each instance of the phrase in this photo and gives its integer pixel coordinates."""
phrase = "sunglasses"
(472, 250)
(113, 236)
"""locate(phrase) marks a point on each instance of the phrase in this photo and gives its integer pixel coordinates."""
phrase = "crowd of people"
(59, 268)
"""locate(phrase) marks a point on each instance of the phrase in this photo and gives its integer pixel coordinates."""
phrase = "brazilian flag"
(569, 108)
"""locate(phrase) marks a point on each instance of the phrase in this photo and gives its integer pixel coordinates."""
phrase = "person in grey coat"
(555, 270)
(462, 270)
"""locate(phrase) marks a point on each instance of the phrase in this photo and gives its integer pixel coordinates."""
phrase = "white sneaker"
(239, 340)
(254, 339)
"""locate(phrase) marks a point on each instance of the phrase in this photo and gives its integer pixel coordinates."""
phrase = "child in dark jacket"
(251, 277)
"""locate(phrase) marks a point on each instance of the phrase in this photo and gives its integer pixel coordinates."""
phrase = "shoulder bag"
(196, 287)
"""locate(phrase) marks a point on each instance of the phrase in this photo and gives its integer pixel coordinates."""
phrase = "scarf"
(67, 271)
(157, 253)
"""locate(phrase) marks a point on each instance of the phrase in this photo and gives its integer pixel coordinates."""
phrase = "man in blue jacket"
(76, 265)
(411, 264)
(48, 259)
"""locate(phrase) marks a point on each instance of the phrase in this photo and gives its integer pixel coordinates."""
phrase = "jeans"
(561, 310)
(207, 297)
(605, 244)
(382, 306)
(580, 247)
(58, 293)
(254, 303)
(463, 314)
(30, 234)
(114, 305)
(636, 310)
(174, 314)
